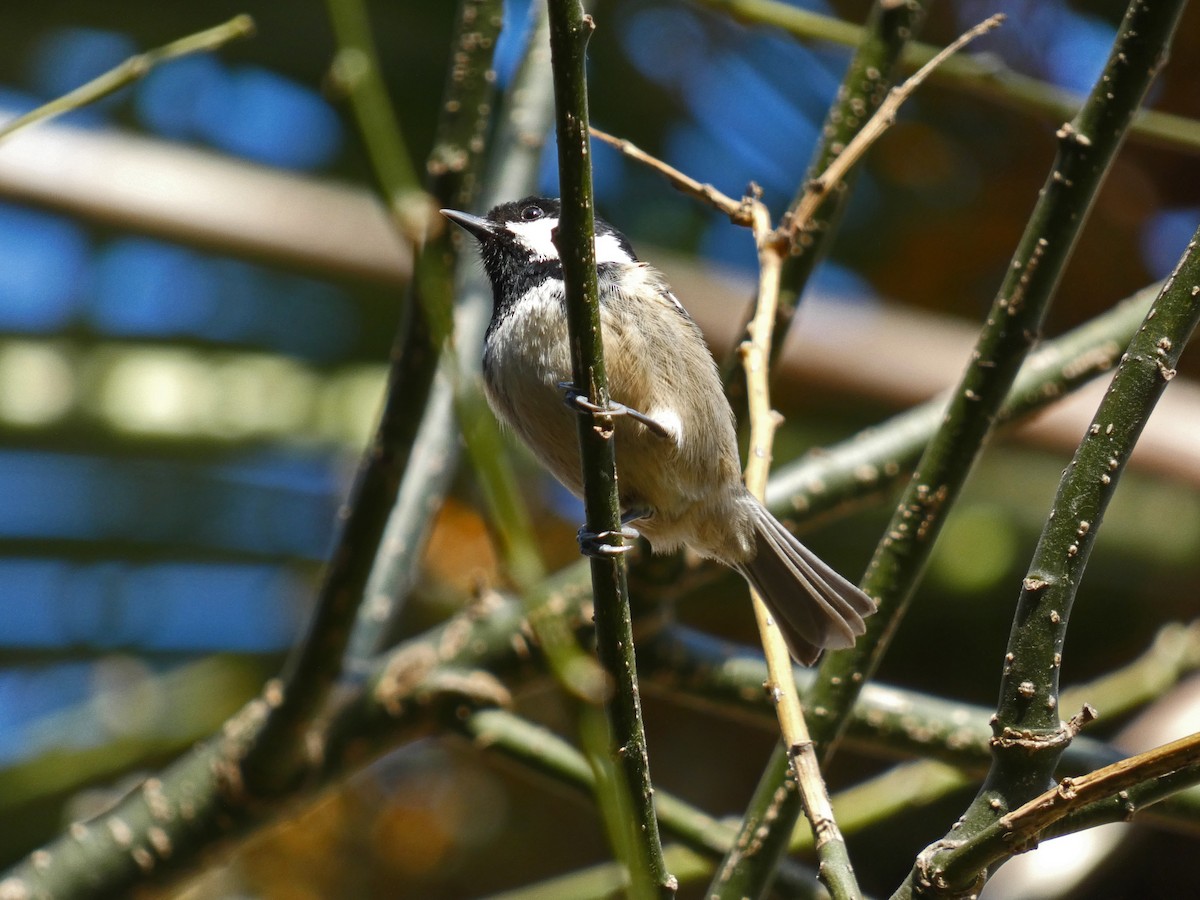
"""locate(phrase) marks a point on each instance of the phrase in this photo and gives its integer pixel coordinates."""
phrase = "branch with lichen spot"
(1087, 147)
(1028, 738)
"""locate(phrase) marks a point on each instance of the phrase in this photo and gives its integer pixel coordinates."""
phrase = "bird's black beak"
(478, 226)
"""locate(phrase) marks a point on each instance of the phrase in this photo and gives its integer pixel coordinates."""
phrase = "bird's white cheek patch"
(537, 236)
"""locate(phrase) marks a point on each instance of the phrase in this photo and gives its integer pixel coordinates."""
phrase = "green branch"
(524, 119)
(867, 464)
(276, 755)
(892, 721)
(1086, 149)
(1028, 735)
(624, 778)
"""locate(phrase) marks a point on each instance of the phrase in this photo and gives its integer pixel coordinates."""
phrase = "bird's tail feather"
(814, 606)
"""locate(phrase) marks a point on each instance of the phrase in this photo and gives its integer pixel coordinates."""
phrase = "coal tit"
(679, 476)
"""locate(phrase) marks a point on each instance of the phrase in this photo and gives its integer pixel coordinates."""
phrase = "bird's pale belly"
(528, 400)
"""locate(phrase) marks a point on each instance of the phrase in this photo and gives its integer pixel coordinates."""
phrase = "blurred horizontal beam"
(200, 198)
(865, 350)
(341, 230)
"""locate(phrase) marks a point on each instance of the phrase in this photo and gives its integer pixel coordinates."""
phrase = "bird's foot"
(580, 403)
(602, 545)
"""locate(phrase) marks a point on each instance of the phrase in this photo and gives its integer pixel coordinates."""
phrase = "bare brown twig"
(781, 686)
(738, 210)
(818, 189)
(794, 220)
(1022, 827)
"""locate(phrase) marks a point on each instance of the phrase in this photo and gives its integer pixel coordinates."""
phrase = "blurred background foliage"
(178, 425)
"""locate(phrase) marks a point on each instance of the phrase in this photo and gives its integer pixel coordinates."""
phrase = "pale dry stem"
(1026, 822)
(763, 421)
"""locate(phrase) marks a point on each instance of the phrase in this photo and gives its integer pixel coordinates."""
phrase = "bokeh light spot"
(146, 287)
(168, 100)
(1166, 236)
(157, 391)
(37, 383)
(42, 259)
(268, 118)
(977, 548)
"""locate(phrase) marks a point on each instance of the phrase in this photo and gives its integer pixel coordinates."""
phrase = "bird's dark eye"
(532, 213)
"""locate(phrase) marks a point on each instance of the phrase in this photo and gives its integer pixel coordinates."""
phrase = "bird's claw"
(580, 403)
(601, 545)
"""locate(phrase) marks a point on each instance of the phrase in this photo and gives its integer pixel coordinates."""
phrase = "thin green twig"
(355, 70)
(133, 69)
(514, 154)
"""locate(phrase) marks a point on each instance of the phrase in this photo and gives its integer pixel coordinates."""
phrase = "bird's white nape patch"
(609, 250)
(538, 237)
(669, 420)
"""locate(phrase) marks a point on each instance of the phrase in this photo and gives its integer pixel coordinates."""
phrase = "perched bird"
(679, 476)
